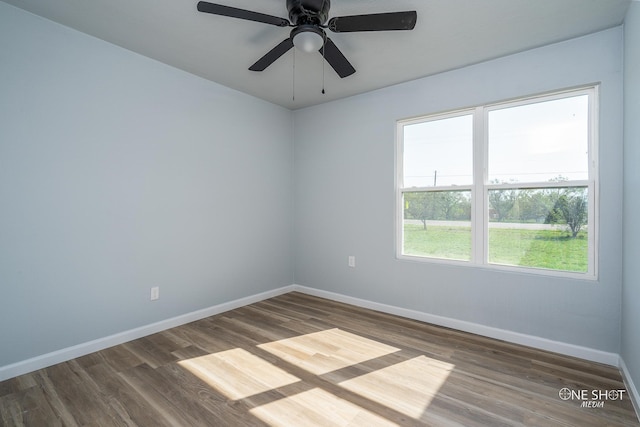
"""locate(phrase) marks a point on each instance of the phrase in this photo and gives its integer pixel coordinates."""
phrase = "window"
(509, 185)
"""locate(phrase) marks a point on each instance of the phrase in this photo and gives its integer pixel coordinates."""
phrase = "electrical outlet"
(155, 293)
(352, 261)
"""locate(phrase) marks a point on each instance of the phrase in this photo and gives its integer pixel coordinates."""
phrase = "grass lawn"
(551, 249)
(438, 241)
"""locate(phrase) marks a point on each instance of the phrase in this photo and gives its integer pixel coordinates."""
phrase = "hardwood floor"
(298, 360)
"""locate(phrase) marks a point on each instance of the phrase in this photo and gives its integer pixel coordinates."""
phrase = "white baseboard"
(631, 387)
(65, 354)
(474, 328)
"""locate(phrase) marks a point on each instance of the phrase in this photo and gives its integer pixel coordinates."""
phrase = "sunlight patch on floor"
(407, 387)
(237, 373)
(326, 351)
(317, 407)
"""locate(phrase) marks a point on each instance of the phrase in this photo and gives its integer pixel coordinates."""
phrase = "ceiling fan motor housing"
(308, 12)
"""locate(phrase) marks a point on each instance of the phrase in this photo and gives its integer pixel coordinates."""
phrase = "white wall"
(630, 351)
(345, 200)
(119, 173)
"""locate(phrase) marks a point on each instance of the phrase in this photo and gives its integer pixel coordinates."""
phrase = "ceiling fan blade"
(336, 59)
(233, 12)
(272, 55)
(374, 22)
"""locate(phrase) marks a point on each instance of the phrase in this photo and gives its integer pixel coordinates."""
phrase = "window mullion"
(594, 179)
(479, 198)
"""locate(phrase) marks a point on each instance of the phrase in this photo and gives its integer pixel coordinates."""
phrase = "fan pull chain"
(324, 45)
(293, 98)
(323, 61)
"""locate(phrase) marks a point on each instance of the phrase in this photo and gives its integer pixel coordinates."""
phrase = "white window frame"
(480, 187)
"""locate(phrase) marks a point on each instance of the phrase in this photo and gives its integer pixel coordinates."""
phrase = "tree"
(420, 206)
(450, 203)
(570, 208)
(437, 206)
(502, 202)
(533, 205)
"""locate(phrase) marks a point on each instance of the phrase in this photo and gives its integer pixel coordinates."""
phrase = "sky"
(527, 143)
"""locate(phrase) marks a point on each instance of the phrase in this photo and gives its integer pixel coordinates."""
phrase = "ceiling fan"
(309, 20)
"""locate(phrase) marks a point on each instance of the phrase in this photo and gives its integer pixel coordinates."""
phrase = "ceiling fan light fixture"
(308, 39)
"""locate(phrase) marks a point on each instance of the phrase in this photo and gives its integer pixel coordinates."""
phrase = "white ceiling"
(449, 34)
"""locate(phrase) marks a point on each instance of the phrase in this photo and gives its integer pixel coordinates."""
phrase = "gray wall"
(631, 284)
(345, 200)
(118, 173)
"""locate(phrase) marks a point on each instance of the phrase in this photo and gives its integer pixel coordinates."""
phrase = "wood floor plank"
(124, 400)
(62, 412)
(299, 360)
(157, 392)
(150, 353)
